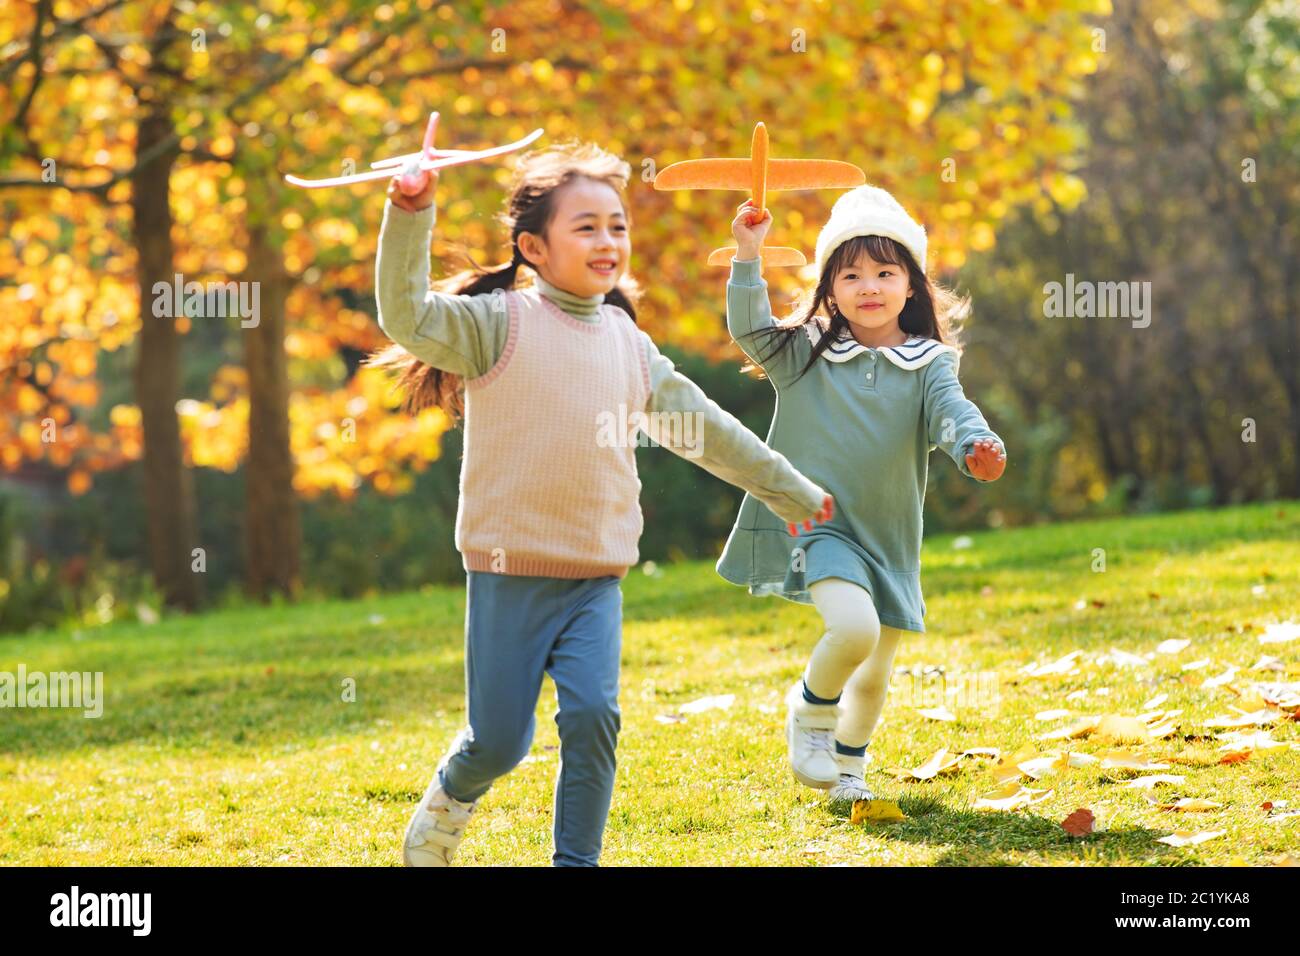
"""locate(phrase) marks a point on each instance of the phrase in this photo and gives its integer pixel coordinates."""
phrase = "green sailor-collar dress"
(861, 423)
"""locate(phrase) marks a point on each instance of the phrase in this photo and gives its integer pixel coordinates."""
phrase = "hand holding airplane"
(749, 234)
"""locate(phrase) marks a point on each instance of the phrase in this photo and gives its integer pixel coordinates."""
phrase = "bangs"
(881, 248)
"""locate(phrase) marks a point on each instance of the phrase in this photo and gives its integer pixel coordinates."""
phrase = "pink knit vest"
(543, 491)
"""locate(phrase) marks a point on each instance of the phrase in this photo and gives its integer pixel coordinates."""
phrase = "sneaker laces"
(856, 786)
(820, 740)
(448, 818)
(455, 813)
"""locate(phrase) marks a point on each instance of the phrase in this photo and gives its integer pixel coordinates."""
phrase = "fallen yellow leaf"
(1188, 805)
(1065, 665)
(1008, 769)
(1158, 731)
(1221, 679)
(937, 713)
(937, 763)
(1149, 783)
(882, 811)
(1080, 728)
(1011, 797)
(1123, 760)
(1122, 729)
(1039, 766)
(1052, 714)
(1255, 718)
(1241, 740)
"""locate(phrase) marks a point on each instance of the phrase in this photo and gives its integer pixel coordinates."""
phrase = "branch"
(60, 26)
(442, 69)
(201, 155)
(172, 140)
(42, 11)
(99, 190)
(114, 61)
(381, 37)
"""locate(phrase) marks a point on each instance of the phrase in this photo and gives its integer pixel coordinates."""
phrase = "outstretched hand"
(988, 460)
(825, 513)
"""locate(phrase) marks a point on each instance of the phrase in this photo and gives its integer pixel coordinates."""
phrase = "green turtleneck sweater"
(466, 334)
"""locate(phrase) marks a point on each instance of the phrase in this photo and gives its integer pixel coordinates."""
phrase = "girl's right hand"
(749, 238)
(421, 200)
(825, 513)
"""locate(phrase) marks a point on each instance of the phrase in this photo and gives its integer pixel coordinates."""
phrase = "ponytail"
(422, 385)
(528, 209)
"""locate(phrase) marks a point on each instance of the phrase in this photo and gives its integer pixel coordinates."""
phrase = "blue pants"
(516, 630)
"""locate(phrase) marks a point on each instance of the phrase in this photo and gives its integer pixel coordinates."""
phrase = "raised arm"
(953, 422)
(749, 310)
(693, 426)
(461, 334)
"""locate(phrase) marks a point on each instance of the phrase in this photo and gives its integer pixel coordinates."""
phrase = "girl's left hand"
(988, 460)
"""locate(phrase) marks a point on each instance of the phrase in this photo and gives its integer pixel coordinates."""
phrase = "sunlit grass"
(226, 739)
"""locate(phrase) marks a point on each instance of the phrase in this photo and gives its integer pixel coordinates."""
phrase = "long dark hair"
(932, 311)
(530, 206)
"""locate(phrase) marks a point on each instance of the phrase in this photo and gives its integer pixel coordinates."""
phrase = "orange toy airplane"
(760, 174)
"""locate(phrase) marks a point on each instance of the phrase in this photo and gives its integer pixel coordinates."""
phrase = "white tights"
(854, 657)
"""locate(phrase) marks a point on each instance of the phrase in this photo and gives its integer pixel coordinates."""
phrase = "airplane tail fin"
(771, 256)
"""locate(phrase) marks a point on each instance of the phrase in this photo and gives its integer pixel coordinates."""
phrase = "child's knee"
(589, 720)
(858, 635)
(496, 754)
(849, 615)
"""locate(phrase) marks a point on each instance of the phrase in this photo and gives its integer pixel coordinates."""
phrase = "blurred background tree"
(1034, 139)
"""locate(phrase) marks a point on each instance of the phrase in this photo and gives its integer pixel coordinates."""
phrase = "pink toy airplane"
(415, 167)
(759, 174)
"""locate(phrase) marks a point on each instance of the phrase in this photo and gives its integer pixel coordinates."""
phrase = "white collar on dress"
(916, 352)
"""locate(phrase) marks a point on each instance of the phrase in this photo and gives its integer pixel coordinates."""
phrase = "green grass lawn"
(225, 738)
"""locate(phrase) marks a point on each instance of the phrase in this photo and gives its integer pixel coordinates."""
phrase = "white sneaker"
(810, 739)
(850, 785)
(436, 828)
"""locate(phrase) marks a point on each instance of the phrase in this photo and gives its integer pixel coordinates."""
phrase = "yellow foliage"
(988, 84)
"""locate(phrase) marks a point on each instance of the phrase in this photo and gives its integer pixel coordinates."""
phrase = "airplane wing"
(771, 256)
(739, 174)
(812, 174)
(707, 174)
(443, 159)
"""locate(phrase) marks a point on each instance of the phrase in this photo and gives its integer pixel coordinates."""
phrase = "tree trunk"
(273, 535)
(168, 486)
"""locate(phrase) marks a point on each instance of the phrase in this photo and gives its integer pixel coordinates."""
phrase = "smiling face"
(586, 245)
(871, 295)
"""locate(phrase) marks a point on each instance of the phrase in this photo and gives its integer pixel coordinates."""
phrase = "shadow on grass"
(252, 710)
(983, 838)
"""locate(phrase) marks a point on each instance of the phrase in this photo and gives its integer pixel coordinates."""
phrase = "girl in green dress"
(866, 384)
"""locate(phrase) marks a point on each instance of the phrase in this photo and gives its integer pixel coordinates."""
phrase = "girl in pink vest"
(554, 382)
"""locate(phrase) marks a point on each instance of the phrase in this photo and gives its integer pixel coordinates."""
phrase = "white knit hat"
(869, 211)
